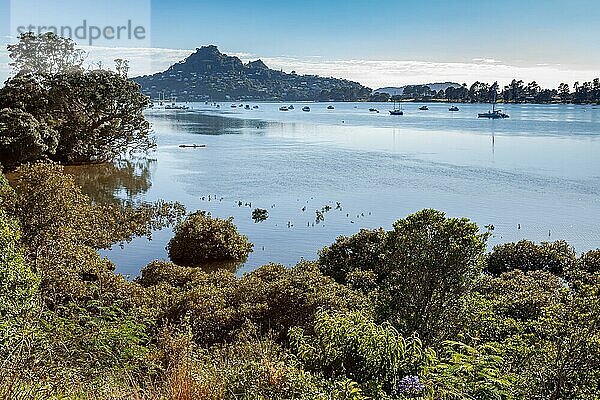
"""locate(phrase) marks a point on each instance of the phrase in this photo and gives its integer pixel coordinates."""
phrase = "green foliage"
(105, 122)
(347, 327)
(433, 260)
(506, 305)
(260, 214)
(18, 285)
(62, 230)
(216, 305)
(586, 270)
(546, 330)
(7, 194)
(251, 367)
(76, 350)
(416, 273)
(589, 262)
(167, 273)
(558, 357)
(352, 345)
(556, 257)
(201, 239)
(45, 54)
(23, 138)
(52, 209)
(469, 372)
(53, 109)
(363, 251)
(377, 357)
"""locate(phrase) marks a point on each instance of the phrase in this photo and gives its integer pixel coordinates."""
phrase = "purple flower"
(409, 386)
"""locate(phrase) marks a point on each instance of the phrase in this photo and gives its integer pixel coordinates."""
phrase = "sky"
(378, 43)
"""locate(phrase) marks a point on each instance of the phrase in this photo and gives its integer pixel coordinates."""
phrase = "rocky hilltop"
(208, 74)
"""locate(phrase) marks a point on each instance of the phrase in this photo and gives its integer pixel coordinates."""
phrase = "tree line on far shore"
(516, 91)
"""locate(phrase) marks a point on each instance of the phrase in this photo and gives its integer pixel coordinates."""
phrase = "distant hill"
(208, 74)
(399, 91)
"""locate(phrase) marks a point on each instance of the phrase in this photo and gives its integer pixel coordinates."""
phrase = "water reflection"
(121, 181)
(231, 266)
(537, 171)
(200, 123)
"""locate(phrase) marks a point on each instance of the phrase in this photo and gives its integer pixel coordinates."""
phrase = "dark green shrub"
(416, 273)
(499, 307)
(215, 305)
(554, 257)
(362, 251)
(94, 115)
(165, 272)
(201, 239)
(354, 346)
(23, 138)
(589, 262)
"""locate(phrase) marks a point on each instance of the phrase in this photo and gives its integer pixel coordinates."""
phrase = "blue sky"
(529, 32)
(557, 39)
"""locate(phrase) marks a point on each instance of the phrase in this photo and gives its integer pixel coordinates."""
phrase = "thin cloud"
(486, 60)
(372, 73)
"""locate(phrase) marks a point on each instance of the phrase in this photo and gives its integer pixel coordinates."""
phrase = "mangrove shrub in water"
(201, 239)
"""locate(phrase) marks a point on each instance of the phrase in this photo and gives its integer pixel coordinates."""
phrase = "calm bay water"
(540, 169)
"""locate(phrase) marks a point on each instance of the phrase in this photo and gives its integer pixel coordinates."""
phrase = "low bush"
(555, 257)
(201, 239)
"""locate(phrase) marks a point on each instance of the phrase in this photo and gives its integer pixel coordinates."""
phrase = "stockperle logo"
(109, 23)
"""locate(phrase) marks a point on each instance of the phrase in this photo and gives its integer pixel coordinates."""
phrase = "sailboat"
(494, 114)
(396, 110)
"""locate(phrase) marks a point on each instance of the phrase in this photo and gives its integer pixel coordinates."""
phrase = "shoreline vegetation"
(419, 311)
(516, 92)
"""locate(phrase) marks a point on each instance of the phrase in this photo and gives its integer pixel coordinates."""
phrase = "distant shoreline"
(434, 101)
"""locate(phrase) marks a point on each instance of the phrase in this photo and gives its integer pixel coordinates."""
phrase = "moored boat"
(306, 108)
(283, 108)
(423, 108)
(453, 108)
(176, 107)
(330, 107)
(396, 110)
(495, 114)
